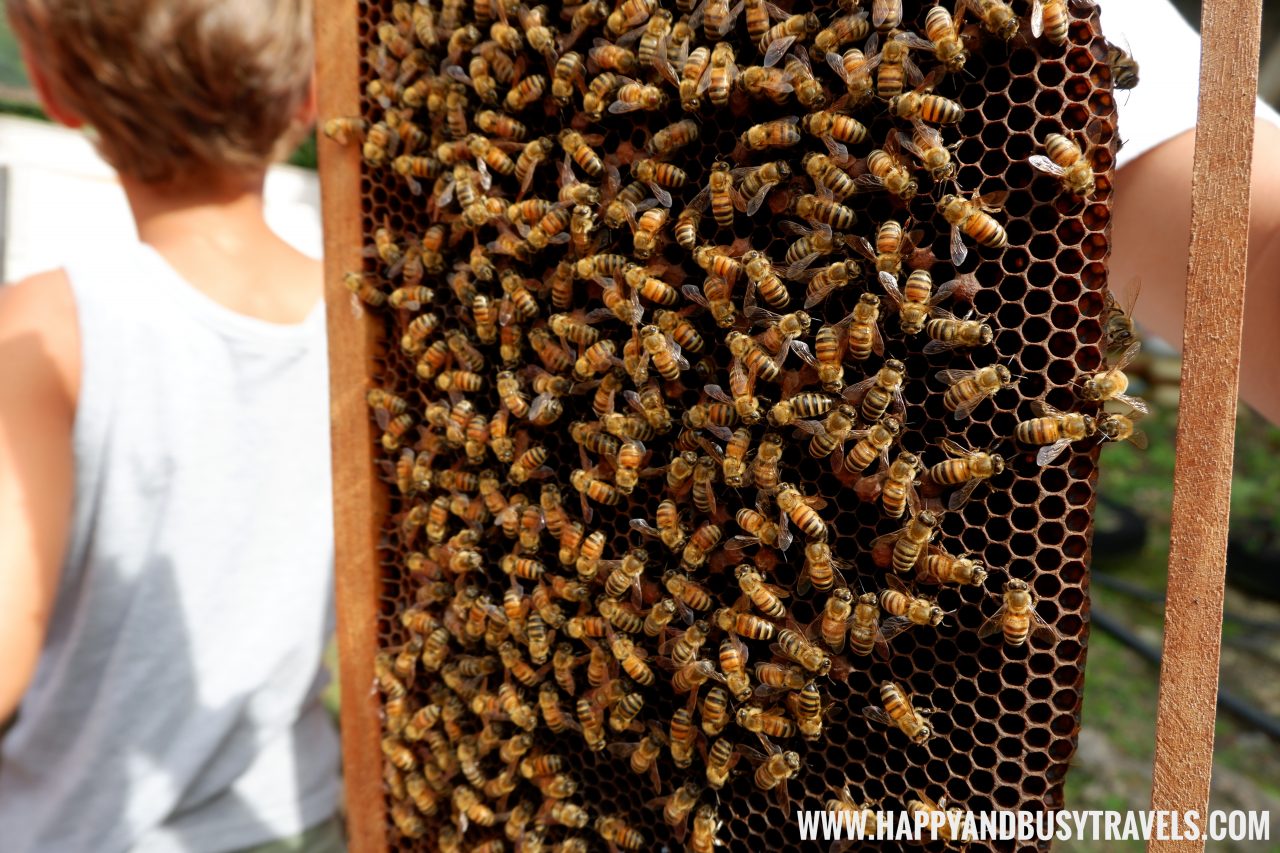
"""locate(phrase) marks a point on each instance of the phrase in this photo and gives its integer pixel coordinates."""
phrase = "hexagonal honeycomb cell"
(458, 581)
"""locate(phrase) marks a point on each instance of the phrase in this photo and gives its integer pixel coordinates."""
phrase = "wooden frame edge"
(358, 500)
(1216, 272)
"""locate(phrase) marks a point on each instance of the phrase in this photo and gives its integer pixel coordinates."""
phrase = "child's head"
(174, 89)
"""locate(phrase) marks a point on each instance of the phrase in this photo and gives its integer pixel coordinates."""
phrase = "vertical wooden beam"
(358, 502)
(1231, 31)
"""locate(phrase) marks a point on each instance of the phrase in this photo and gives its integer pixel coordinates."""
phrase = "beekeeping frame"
(1188, 681)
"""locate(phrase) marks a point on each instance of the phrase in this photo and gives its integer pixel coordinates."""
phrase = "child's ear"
(48, 100)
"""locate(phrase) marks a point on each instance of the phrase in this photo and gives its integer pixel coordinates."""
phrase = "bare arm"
(39, 367)
(1152, 224)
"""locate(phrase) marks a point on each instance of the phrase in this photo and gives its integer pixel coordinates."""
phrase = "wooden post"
(1210, 376)
(358, 501)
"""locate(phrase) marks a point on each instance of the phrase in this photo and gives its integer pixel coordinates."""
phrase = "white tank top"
(176, 702)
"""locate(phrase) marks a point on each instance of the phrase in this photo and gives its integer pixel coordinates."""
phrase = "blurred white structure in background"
(59, 200)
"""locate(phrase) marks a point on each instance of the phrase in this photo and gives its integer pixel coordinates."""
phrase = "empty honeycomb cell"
(1006, 797)
(1015, 260)
(1051, 73)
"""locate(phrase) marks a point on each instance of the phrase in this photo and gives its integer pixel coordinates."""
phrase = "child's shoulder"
(39, 342)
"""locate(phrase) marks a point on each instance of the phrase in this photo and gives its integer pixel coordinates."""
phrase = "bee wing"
(1130, 353)
(785, 536)
(645, 528)
(877, 715)
(1044, 164)
(890, 285)
(886, 539)
(1139, 440)
(836, 62)
(618, 107)
(940, 346)
(993, 200)
(1042, 630)
(916, 42)
(914, 76)
(951, 377)
(958, 249)
(877, 340)
(753, 204)
(954, 449)
(806, 427)
(777, 49)
(1136, 403)
(1037, 18)
(1050, 452)
(994, 624)
(961, 497)
(966, 408)
(806, 355)
(854, 393)
(1041, 409)
(942, 291)
(868, 488)
(663, 197)
(891, 628)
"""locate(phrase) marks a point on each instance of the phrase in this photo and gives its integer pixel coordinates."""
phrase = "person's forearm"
(1151, 233)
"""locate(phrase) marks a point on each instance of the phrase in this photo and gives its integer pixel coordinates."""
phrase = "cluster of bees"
(588, 344)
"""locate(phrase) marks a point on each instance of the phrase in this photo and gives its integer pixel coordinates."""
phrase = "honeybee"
(529, 465)
(939, 567)
(700, 545)
(967, 388)
(599, 94)
(643, 754)
(943, 31)
(834, 619)
(576, 147)
(764, 468)
(681, 737)
(793, 645)
(1116, 427)
(1111, 384)
(1067, 162)
(687, 593)
(816, 209)
(895, 70)
(779, 38)
(721, 758)
(673, 137)
(997, 17)
(610, 57)
(775, 770)
(854, 68)
(1054, 430)
(887, 171)
(568, 76)
(926, 144)
(1017, 617)
(829, 435)
(693, 67)
(873, 443)
(973, 218)
(923, 105)
(895, 486)
(841, 31)
(880, 392)
(345, 130)
(765, 723)
(801, 510)
(1124, 68)
(526, 93)
(780, 133)
(659, 176)
(629, 15)
(705, 827)
(637, 96)
(757, 181)
(947, 332)
(826, 173)
(760, 82)
(805, 405)
(809, 90)
(911, 542)
(742, 389)
(950, 829)
(899, 712)
(967, 467)
(864, 627)
(718, 18)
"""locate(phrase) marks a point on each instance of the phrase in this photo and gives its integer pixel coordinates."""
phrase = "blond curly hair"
(175, 88)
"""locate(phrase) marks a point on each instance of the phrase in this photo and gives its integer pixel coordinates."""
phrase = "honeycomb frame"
(1007, 717)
